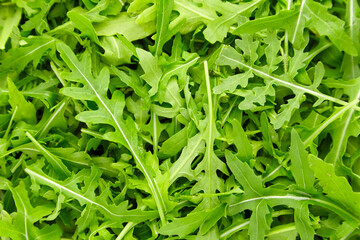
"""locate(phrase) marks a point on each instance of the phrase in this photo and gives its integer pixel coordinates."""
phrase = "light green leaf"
(152, 71)
(163, 9)
(22, 109)
(244, 148)
(282, 20)
(12, 20)
(300, 168)
(251, 183)
(55, 162)
(124, 25)
(19, 58)
(217, 29)
(329, 25)
(336, 188)
(82, 23)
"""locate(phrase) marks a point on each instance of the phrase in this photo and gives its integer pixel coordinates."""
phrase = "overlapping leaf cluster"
(179, 119)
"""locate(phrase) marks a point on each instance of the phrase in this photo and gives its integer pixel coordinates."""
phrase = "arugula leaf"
(283, 20)
(13, 16)
(22, 109)
(112, 109)
(337, 188)
(84, 25)
(26, 215)
(164, 9)
(251, 183)
(299, 163)
(217, 29)
(19, 58)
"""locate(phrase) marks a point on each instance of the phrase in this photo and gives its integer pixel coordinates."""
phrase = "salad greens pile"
(179, 119)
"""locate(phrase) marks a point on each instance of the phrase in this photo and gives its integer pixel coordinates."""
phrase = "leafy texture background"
(179, 119)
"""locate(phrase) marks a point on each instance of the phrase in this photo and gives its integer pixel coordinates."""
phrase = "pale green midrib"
(237, 14)
(271, 173)
(55, 160)
(52, 117)
(161, 3)
(327, 45)
(290, 85)
(229, 111)
(18, 149)
(25, 213)
(298, 20)
(34, 50)
(234, 229)
(283, 229)
(302, 198)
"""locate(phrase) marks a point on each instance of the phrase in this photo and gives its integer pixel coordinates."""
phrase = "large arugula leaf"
(110, 112)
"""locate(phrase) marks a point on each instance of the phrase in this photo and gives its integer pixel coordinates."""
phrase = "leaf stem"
(125, 230)
(286, 42)
(209, 142)
(10, 122)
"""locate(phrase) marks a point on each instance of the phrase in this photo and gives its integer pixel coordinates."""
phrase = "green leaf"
(56, 119)
(231, 83)
(117, 50)
(336, 188)
(251, 183)
(82, 23)
(12, 20)
(325, 24)
(177, 69)
(23, 110)
(163, 9)
(175, 143)
(124, 25)
(300, 168)
(152, 72)
(26, 216)
(210, 164)
(55, 162)
(282, 20)
(217, 29)
(19, 58)
(132, 80)
(182, 166)
(244, 148)
(186, 225)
